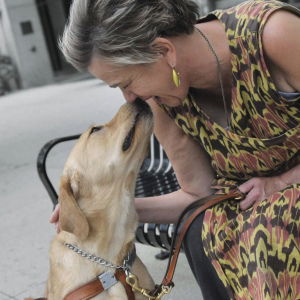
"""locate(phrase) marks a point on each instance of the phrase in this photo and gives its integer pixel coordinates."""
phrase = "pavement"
(28, 119)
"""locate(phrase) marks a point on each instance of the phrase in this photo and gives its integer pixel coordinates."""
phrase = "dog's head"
(105, 160)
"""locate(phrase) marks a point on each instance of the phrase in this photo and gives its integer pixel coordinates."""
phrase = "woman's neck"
(200, 61)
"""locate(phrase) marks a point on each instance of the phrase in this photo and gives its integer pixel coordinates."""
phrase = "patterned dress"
(255, 252)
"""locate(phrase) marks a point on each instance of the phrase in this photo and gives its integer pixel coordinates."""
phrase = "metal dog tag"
(107, 279)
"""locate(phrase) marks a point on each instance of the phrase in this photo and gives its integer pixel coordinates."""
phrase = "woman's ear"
(166, 48)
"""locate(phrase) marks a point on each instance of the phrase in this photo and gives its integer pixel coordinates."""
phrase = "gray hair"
(123, 31)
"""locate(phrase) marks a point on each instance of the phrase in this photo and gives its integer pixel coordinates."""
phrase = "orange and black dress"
(254, 252)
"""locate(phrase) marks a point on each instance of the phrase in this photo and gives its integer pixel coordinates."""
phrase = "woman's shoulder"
(281, 44)
(254, 8)
(249, 16)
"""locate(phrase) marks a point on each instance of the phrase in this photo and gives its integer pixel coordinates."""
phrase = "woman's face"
(143, 81)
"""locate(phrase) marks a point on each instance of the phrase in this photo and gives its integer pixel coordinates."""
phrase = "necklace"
(219, 71)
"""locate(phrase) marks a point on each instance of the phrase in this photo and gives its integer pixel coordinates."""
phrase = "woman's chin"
(171, 102)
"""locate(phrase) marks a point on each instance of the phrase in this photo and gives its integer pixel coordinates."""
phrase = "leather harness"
(95, 287)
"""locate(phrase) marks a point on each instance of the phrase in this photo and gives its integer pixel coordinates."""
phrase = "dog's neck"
(111, 227)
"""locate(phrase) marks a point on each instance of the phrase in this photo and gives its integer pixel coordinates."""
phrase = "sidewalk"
(28, 120)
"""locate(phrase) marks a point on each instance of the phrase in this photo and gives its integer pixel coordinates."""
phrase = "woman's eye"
(95, 129)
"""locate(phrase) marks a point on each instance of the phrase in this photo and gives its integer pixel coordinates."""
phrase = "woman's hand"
(54, 219)
(259, 188)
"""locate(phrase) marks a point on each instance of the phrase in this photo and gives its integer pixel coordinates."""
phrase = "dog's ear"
(71, 217)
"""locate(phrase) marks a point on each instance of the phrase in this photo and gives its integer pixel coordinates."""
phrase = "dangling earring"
(176, 78)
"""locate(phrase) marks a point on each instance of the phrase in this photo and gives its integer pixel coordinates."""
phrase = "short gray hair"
(123, 31)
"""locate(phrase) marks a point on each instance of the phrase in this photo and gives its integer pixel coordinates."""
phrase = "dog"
(97, 212)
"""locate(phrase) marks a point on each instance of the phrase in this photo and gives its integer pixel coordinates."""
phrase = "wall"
(8, 47)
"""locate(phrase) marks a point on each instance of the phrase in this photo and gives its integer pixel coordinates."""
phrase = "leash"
(205, 203)
(201, 205)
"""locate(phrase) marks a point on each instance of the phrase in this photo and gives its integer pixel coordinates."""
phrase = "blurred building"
(29, 30)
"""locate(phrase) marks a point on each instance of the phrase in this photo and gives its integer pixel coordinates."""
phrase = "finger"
(246, 186)
(251, 198)
(247, 202)
(55, 214)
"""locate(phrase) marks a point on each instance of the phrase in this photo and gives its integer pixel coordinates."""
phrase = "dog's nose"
(141, 105)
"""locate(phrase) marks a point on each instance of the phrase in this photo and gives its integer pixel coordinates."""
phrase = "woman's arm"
(281, 44)
(164, 209)
(192, 168)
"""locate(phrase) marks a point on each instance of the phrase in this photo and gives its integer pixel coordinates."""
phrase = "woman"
(225, 93)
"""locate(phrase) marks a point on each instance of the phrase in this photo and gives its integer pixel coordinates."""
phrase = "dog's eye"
(96, 128)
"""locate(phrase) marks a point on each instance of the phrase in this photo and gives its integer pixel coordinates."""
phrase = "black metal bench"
(156, 177)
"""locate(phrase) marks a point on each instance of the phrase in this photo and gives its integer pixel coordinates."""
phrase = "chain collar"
(128, 260)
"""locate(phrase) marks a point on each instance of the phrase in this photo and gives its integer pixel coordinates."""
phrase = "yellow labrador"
(97, 213)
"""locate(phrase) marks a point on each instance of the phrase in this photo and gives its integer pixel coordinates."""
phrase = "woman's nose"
(129, 96)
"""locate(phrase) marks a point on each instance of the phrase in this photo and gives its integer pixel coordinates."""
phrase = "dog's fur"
(97, 204)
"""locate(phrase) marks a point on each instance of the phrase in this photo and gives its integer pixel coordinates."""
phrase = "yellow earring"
(176, 78)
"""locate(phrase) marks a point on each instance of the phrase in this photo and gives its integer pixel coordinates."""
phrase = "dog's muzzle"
(129, 137)
(143, 109)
